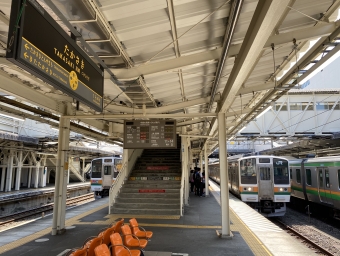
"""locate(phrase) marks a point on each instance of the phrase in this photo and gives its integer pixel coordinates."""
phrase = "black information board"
(151, 133)
(39, 45)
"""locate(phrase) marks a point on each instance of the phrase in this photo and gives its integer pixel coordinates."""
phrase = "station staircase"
(153, 187)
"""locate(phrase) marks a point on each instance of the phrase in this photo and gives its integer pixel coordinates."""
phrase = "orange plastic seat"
(131, 240)
(102, 250)
(135, 229)
(105, 235)
(77, 252)
(91, 243)
(119, 225)
(118, 249)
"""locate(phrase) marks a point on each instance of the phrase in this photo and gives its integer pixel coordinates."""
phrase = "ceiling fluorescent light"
(12, 116)
(263, 112)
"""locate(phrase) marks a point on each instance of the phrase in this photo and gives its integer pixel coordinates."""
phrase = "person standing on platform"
(203, 185)
(191, 180)
(197, 179)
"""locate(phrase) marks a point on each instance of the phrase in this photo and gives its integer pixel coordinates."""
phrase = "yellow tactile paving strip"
(257, 247)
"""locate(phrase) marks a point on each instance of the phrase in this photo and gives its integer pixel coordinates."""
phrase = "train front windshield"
(96, 169)
(248, 171)
(281, 172)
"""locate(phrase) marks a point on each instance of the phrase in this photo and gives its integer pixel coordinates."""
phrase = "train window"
(339, 179)
(291, 173)
(309, 177)
(107, 170)
(264, 160)
(298, 176)
(248, 171)
(320, 179)
(281, 175)
(96, 168)
(264, 173)
(327, 178)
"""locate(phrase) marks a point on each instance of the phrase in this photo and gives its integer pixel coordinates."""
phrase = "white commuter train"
(261, 181)
(104, 171)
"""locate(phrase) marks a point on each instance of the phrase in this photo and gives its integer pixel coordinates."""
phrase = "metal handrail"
(115, 187)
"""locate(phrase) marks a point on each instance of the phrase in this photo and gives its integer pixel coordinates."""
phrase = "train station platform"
(192, 234)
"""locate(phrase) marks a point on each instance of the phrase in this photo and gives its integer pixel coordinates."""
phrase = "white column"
(58, 225)
(36, 177)
(201, 162)
(226, 233)
(43, 172)
(29, 175)
(8, 186)
(126, 161)
(68, 170)
(48, 176)
(3, 177)
(187, 184)
(83, 173)
(18, 175)
(206, 170)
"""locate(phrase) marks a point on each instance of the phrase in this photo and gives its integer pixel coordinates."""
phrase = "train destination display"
(39, 45)
(150, 134)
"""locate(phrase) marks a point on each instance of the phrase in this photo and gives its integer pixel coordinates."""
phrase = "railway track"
(9, 219)
(29, 194)
(313, 238)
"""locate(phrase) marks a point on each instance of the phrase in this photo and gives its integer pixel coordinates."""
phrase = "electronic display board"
(151, 133)
(39, 45)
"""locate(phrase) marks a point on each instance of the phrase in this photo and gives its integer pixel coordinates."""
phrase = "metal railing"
(122, 176)
(115, 187)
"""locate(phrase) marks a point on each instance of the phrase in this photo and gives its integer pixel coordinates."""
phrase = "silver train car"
(261, 181)
(317, 180)
(104, 171)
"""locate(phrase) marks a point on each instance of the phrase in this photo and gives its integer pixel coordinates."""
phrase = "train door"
(324, 187)
(266, 190)
(107, 176)
(117, 167)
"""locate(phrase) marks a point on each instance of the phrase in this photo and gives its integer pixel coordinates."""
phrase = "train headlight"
(249, 189)
(283, 189)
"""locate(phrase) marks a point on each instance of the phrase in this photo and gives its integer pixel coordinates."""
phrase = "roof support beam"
(265, 18)
(128, 116)
(300, 34)
(164, 109)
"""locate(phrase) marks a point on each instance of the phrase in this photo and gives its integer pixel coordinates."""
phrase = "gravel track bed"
(321, 233)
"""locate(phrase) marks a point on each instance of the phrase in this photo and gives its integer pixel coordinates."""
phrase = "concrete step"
(149, 195)
(149, 206)
(155, 178)
(155, 171)
(153, 185)
(147, 182)
(137, 212)
(162, 191)
(154, 200)
(148, 174)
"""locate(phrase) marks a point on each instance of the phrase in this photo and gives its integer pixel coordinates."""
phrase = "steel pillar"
(226, 233)
(206, 171)
(58, 225)
(18, 175)
(8, 186)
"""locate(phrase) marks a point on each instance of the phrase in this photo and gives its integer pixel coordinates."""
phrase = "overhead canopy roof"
(181, 57)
